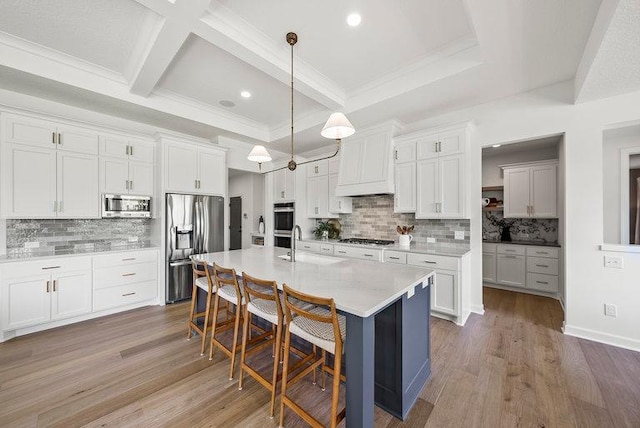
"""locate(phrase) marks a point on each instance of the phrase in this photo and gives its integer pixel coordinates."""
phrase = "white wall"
(550, 111)
(491, 171)
(611, 183)
(250, 187)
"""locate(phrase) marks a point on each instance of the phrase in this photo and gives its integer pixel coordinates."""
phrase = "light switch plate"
(31, 244)
(431, 240)
(616, 262)
(459, 234)
(610, 310)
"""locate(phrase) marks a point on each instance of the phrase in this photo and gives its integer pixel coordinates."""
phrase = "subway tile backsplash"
(373, 217)
(48, 237)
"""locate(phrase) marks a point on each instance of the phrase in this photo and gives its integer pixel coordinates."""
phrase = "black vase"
(506, 234)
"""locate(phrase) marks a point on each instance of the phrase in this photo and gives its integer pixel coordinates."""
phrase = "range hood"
(366, 163)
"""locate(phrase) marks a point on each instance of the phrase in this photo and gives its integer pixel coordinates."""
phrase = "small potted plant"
(322, 230)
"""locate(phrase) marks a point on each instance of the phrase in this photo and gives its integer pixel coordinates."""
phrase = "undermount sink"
(314, 259)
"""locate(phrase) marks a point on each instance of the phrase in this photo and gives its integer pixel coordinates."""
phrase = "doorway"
(235, 223)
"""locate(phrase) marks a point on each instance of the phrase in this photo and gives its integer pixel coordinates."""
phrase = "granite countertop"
(536, 243)
(76, 252)
(435, 249)
(359, 287)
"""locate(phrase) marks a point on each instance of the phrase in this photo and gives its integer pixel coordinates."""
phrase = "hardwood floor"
(511, 367)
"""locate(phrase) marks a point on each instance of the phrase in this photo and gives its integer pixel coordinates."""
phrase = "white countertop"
(436, 248)
(358, 287)
(44, 256)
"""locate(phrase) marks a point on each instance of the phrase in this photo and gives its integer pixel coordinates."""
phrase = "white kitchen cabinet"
(122, 177)
(510, 265)
(36, 132)
(318, 168)
(123, 279)
(47, 183)
(284, 185)
(489, 262)
(126, 148)
(312, 247)
(435, 185)
(338, 204)
(318, 197)
(39, 292)
(530, 190)
(357, 252)
(194, 169)
(445, 294)
(405, 177)
(365, 163)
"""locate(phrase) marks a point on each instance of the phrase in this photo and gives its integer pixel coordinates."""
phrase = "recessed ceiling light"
(496, 145)
(227, 103)
(245, 94)
(354, 19)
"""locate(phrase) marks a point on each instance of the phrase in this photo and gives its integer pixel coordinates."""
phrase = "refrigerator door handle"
(197, 226)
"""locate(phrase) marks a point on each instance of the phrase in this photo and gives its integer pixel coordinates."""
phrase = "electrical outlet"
(524, 235)
(610, 310)
(459, 234)
(615, 262)
(31, 244)
(431, 240)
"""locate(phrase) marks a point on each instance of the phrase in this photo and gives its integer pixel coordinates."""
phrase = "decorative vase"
(261, 225)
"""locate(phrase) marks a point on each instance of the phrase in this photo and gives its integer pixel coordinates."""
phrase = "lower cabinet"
(39, 292)
(45, 293)
(445, 295)
(524, 267)
(357, 252)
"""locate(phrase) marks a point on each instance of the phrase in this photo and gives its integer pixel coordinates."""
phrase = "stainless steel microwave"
(126, 206)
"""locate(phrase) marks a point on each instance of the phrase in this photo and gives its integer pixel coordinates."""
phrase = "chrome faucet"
(293, 241)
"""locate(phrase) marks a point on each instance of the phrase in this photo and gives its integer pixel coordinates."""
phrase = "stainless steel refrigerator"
(194, 225)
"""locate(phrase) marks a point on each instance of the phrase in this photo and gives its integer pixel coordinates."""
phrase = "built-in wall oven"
(284, 220)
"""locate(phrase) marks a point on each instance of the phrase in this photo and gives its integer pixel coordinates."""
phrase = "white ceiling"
(172, 62)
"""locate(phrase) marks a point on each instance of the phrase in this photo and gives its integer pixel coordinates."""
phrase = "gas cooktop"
(366, 241)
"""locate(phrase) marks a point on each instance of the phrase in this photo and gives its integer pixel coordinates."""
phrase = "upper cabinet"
(126, 166)
(322, 180)
(365, 163)
(531, 190)
(405, 184)
(284, 185)
(192, 168)
(49, 169)
(431, 178)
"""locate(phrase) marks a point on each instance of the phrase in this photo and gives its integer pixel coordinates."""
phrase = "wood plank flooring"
(511, 367)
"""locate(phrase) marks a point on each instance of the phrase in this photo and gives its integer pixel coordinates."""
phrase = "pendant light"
(336, 128)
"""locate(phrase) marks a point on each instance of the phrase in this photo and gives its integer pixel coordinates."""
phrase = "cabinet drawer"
(124, 295)
(395, 257)
(309, 246)
(542, 282)
(434, 262)
(128, 258)
(125, 274)
(326, 249)
(542, 252)
(542, 265)
(510, 249)
(359, 253)
(489, 248)
(51, 266)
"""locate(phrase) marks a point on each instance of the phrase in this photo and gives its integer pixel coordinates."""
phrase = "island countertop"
(358, 287)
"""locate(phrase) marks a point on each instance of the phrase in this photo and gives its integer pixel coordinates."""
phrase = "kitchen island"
(387, 350)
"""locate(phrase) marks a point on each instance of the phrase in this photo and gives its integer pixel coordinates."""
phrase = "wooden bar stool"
(201, 279)
(263, 300)
(227, 288)
(324, 328)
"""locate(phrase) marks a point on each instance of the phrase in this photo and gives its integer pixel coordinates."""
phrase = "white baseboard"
(477, 309)
(609, 339)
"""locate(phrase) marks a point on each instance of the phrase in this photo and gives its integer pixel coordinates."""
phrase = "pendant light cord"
(292, 101)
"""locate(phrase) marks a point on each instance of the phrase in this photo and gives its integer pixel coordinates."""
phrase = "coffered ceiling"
(182, 64)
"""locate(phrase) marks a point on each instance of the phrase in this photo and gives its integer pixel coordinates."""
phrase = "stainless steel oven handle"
(181, 263)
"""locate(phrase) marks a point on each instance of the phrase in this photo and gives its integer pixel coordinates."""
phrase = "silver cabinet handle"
(430, 262)
(510, 257)
(339, 205)
(129, 274)
(509, 251)
(342, 252)
(532, 211)
(545, 266)
(55, 285)
(542, 282)
(128, 294)
(48, 289)
(368, 255)
(128, 259)
(394, 258)
(396, 155)
(282, 194)
(53, 137)
(130, 184)
(130, 150)
(316, 169)
(59, 138)
(50, 267)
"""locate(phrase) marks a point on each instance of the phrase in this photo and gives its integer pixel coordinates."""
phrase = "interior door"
(235, 223)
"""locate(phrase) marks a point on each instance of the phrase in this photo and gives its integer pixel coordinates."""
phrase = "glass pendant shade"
(259, 154)
(337, 126)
